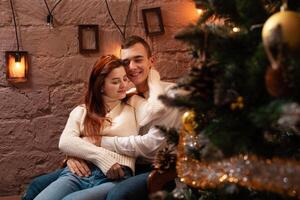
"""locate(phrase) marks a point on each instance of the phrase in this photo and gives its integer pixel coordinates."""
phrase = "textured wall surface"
(33, 114)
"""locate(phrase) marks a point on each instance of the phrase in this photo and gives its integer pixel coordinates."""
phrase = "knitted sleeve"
(71, 144)
(145, 145)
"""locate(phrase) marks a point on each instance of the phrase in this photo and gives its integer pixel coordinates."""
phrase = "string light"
(236, 29)
(50, 15)
(199, 11)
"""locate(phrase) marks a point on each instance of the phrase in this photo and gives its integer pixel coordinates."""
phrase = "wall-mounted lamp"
(16, 61)
(16, 66)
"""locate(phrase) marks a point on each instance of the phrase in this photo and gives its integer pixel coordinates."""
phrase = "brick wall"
(33, 114)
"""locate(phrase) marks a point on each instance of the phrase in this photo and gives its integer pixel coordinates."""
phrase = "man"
(137, 57)
(137, 54)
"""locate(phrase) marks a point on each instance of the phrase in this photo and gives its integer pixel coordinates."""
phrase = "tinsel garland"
(275, 175)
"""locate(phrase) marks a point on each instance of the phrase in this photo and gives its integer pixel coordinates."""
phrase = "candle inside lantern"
(16, 66)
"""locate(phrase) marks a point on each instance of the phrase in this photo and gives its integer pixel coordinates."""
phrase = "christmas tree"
(240, 137)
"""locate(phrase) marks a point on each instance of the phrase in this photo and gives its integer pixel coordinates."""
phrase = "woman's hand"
(115, 172)
(78, 167)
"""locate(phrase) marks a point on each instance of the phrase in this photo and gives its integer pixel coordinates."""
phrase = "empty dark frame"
(88, 38)
(153, 21)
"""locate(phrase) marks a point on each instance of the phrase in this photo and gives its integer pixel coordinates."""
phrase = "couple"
(105, 168)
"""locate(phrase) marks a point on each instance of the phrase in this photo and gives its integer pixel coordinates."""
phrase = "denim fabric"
(39, 183)
(69, 183)
(133, 188)
(98, 192)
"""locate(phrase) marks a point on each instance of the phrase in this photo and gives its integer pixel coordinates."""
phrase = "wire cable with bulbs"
(123, 33)
(17, 55)
(50, 15)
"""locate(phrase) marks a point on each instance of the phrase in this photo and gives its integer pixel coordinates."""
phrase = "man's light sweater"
(126, 119)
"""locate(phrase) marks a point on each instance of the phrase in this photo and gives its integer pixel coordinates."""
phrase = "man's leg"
(98, 192)
(133, 188)
(39, 183)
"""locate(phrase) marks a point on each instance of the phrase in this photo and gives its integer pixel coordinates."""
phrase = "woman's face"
(116, 83)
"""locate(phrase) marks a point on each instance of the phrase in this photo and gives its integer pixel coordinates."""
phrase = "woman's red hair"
(96, 109)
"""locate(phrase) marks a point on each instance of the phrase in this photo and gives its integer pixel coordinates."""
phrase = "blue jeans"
(133, 188)
(40, 183)
(72, 187)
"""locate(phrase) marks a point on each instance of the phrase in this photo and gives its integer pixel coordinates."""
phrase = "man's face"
(138, 64)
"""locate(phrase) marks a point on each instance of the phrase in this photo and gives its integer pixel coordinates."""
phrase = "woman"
(106, 111)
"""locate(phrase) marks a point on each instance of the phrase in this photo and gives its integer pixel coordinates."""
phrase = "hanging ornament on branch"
(188, 121)
(191, 141)
(288, 23)
(281, 41)
(276, 83)
(238, 104)
(165, 159)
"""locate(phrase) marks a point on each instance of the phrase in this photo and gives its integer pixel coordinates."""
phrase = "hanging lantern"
(16, 66)
(16, 61)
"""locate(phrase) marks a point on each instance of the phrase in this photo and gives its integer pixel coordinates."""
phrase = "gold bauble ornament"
(289, 23)
(188, 121)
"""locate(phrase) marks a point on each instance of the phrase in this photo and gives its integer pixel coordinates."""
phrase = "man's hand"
(115, 172)
(96, 139)
(78, 167)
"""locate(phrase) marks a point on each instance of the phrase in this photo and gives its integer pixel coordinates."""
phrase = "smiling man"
(136, 54)
(138, 61)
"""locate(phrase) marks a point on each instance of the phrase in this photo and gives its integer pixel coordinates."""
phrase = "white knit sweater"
(150, 139)
(126, 119)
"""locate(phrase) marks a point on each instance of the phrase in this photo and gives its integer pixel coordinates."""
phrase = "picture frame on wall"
(88, 36)
(153, 21)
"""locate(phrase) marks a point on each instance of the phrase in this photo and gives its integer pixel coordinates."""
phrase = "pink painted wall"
(33, 114)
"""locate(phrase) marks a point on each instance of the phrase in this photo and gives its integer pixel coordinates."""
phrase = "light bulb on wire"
(199, 11)
(236, 29)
